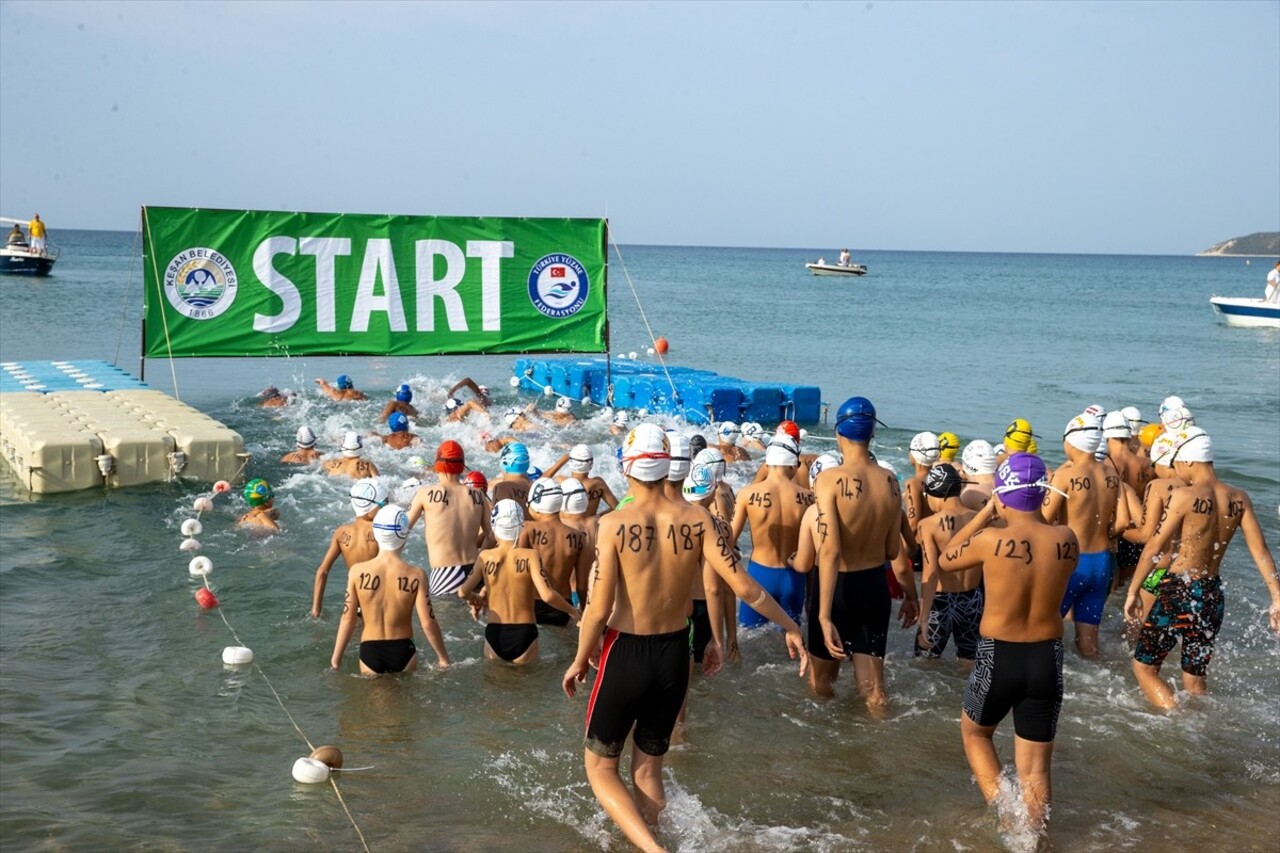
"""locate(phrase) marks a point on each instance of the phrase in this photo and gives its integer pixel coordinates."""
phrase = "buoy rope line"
(204, 579)
(124, 303)
(653, 339)
(168, 342)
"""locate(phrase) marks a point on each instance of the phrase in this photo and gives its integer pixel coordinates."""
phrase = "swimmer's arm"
(720, 554)
(415, 509)
(465, 382)
(386, 411)
(806, 555)
(715, 604)
(347, 626)
(485, 538)
(1151, 509)
(555, 469)
(929, 577)
(473, 580)
(322, 574)
(1156, 546)
(893, 537)
(607, 496)
(582, 569)
(828, 548)
(739, 520)
(967, 549)
(328, 389)
(548, 593)
(427, 619)
(600, 599)
(1051, 509)
(1122, 520)
(1262, 558)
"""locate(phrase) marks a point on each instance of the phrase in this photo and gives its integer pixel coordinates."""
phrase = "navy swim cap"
(398, 422)
(404, 394)
(856, 420)
(344, 382)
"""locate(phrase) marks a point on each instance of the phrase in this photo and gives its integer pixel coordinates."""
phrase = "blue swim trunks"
(785, 585)
(1089, 587)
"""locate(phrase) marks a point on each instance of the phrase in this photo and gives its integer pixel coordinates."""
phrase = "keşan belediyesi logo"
(200, 283)
(558, 285)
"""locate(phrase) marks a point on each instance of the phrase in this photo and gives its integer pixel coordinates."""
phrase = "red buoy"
(205, 598)
(661, 346)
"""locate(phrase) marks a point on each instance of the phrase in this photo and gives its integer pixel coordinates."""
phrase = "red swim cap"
(791, 428)
(449, 458)
(476, 480)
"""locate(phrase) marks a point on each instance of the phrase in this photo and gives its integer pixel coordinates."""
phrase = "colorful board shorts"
(1186, 610)
(1025, 678)
(640, 685)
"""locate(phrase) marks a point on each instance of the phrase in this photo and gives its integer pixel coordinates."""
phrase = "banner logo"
(558, 285)
(200, 283)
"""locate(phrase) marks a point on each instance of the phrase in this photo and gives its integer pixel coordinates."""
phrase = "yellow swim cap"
(1032, 447)
(1018, 435)
(949, 444)
(1149, 434)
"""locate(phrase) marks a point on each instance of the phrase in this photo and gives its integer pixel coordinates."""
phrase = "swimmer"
(580, 460)
(925, 451)
(457, 410)
(399, 438)
(637, 602)
(574, 512)
(822, 673)
(1095, 512)
(681, 462)
(262, 514)
(1018, 437)
(514, 482)
(514, 579)
(562, 415)
(402, 402)
(1133, 473)
(306, 452)
(752, 437)
(621, 422)
(561, 549)
(722, 506)
(706, 620)
(351, 463)
(455, 521)
(386, 591)
(727, 434)
(978, 464)
(1154, 505)
(1026, 565)
(792, 430)
(1204, 517)
(271, 397)
(951, 602)
(859, 532)
(352, 541)
(343, 390)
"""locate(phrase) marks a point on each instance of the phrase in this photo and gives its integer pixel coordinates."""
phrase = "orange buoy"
(206, 598)
(661, 346)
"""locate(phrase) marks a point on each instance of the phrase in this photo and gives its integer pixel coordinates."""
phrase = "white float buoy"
(546, 391)
(632, 355)
(586, 401)
(803, 432)
(236, 655)
(189, 545)
(651, 351)
(515, 381)
(200, 566)
(192, 527)
(309, 771)
(202, 504)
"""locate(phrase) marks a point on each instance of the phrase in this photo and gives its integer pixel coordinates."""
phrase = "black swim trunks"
(1023, 677)
(641, 684)
(1127, 555)
(953, 614)
(509, 641)
(387, 655)
(860, 610)
(545, 614)
(1190, 611)
(699, 629)
(917, 560)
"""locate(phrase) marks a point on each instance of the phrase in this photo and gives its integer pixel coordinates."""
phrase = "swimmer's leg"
(1032, 759)
(617, 801)
(868, 673)
(822, 676)
(646, 778)
(981, 752)
(1087, 640)
(530, 654)
(1157, 690)
(1196, 684)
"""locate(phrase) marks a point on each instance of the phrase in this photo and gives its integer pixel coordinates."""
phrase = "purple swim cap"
(1020, 482)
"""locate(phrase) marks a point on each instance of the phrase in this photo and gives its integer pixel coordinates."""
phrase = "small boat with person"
(844, 266)
(1246, 311)
(18, 256)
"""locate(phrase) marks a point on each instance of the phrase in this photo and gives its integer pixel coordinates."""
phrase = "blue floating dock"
(700, 396)
(47, 377)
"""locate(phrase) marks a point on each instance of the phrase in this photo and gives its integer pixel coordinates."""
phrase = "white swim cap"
(714, 458)
(1192, 444)
(1176, 418)
(581, 458)
(451, 404)
(680, 457)
(751, 429)
(511, 415)
(1116, 425)
(925, 448)
(1133, 418)
(408, 488)
(563, 404)
(367, 495)
(1162, 450)
(507, 520)
(352, 444)
(621, 418)
(646, 454)
(822, 463)
(979, 457)
(782, 452)
(1173, 401)
(306, 438)
(391, 527)
(546, 496)
(728, 432)
(701, 481)
(1084, 431)
(575, 496)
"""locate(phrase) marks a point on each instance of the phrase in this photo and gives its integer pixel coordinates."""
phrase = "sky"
(1078, 127)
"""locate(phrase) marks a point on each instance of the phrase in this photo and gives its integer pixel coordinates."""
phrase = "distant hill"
(1262, 243)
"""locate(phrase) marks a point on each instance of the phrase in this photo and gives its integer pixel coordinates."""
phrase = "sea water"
(120, 727)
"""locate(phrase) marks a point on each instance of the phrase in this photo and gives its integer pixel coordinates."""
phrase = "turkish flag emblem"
(557, 272)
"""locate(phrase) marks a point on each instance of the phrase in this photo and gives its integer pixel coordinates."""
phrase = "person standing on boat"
(16, 237)
(1272, 293)
(36, 228)
(845, 258)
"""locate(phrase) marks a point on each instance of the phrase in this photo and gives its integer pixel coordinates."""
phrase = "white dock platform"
(66, 426)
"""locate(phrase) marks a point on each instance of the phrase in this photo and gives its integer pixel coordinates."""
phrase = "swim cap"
(391, 528)
(476, 480)
(351, 444)
(306, 438)
(728, 432)
(507, 520)
(398, 422)
(1149, 434)
(621, 418)
(925, 448)
(451, 404)
(581, 458)
(822, 463)
(534, 472)
(1177, 418)
(1020, 482)
(1032, 447)
(646, 454)
(269, 393)
(1018, 434)
(1115, 425)
(404, 394)
(257, 492)
(1162, 449)
(790, 428)
(367, 495)
(856, 420)
(344, 383)
(751, 429)
(1191, 444)
(1173, 401)
(514, 458)
(713, 457)
(1084, 432)
(407, 490)
(979, 457)
(701, 481)
(546, 496)
(680, 456)
(697, 443)
(563, 404)
(575, 496)
(782, 452)
(948, 445)
(511, 415)
(1133, 418)
(449, 458)
(943, 481)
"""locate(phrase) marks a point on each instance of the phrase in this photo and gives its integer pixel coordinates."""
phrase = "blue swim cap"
(856, 420)
(344, 382)
(404, 394)
(534, 472)
(514, 458)
(398, 422)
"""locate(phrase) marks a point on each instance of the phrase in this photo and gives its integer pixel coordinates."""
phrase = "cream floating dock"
(71, 425)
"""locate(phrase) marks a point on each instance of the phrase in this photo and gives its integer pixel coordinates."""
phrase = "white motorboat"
(20, 259)
(821, 267)
(1246, 311)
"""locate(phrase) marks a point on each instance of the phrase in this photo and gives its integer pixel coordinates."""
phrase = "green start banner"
(263, 283)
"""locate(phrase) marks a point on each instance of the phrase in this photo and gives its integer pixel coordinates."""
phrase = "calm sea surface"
(120, 728)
